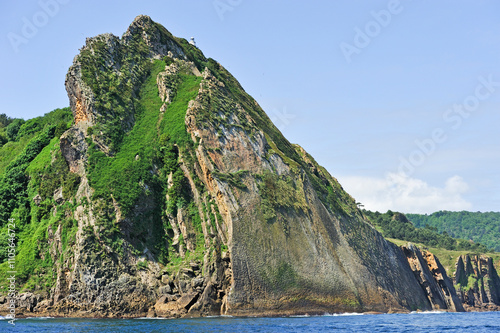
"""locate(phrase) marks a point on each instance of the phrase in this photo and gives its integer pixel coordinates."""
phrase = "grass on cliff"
(126, 175)
(10, 150)
(129, 176)
(173, 122)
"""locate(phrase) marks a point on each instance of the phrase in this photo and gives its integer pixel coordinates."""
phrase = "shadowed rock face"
(433, 279)
(262, 229)
(477, 282)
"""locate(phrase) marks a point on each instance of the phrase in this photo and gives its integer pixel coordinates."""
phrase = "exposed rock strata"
(478, 283)
(433, 279)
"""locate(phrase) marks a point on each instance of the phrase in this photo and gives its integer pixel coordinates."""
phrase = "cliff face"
(477, 282)
(189, 201)
(433, 279)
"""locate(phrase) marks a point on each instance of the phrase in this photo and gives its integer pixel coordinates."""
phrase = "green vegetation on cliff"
(330, 192)
(32, 137)
(36, 168)
(114, 90)
(31, 165)
(280, 193)
(128, 176)
(124, 174)
(15, 134)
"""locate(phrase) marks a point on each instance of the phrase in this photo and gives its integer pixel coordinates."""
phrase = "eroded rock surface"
(477, 282)
(433, 279)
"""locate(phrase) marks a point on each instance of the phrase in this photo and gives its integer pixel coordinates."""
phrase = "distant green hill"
(480, 227)
(396, 225)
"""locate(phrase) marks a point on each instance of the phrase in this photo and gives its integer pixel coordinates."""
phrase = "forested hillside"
(397, 225)
(479, 227)
(25, 153)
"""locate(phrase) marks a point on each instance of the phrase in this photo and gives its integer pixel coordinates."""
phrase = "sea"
(348, 322)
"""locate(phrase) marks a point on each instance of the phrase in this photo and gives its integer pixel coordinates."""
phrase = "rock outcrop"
(477, 282)
(433, 279)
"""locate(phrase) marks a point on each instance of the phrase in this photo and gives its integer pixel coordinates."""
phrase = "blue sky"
(399, 100)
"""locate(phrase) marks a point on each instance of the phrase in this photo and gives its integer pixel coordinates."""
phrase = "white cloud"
(399, 192)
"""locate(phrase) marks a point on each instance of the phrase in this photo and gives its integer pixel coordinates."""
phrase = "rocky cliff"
(433, 279)
(477, 282)
(183, 199)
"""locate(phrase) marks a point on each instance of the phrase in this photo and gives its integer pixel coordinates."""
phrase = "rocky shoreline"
(48, 314)
(196, 296)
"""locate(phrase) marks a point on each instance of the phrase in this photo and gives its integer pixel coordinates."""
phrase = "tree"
(13, 129)
(5, 120)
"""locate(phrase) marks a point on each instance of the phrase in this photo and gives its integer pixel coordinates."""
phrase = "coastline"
(256, 314)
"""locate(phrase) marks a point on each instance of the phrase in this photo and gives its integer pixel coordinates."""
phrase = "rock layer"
(433, 279)
(477, 282)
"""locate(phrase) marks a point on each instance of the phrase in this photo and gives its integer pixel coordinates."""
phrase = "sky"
(398, 100)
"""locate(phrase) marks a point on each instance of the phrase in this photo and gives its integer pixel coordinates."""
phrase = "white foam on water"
(152, 318)
(428, 312)
(343, 314)
(329, 315)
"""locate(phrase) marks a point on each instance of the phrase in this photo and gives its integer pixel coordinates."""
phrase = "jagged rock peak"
(104, 58)
(142, 19)
(141, 23)
(158, 39)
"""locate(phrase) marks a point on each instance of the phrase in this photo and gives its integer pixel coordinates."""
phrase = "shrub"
(13, 129)
(142, 265)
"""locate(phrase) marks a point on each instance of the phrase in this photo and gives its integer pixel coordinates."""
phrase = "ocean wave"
(429, 312)
(329, 315)
(152, 318)
(40, 318)
(343, 314)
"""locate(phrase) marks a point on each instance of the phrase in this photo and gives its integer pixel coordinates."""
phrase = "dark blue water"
(418, 322)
